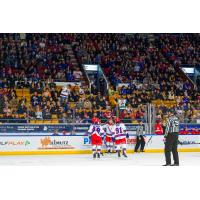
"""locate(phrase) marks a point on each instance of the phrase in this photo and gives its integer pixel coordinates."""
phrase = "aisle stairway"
(75, 64)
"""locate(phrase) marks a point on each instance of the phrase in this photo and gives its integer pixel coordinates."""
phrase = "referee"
(171, 139)
(140, 141)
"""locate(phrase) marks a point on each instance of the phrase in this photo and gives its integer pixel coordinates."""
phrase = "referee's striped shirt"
(172, 125)
(140, 130)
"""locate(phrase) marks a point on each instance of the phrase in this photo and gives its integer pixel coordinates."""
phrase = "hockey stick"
(149, 140)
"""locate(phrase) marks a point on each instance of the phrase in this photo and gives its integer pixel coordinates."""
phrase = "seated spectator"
(87, 105)
(38, 113)
(171, 95)
(80, 104)
(46, 114)
(22, 109)
(101, 103)
(46, 93)
(77, 74)
(35, 99)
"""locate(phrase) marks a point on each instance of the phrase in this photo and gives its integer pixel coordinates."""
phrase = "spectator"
(38, 113)
(87, 105)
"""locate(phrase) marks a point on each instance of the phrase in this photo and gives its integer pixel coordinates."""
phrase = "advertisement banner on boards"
(36, 143)
(50, 128)
(79, 128)
(61, 143)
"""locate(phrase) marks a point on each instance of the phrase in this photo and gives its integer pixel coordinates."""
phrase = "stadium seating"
(147, 67)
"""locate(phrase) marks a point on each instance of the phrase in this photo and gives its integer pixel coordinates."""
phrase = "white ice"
(140, 159)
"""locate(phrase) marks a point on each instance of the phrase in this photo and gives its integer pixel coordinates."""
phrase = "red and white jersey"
(119, 131)
(109, 130)
(96, 129)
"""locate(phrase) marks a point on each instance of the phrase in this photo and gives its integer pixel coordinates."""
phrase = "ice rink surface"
(139, 159)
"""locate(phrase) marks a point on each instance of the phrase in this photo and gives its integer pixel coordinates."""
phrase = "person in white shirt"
(108, 127)
(64, 94)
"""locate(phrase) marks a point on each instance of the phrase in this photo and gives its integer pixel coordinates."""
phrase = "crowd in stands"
(148, 67)
(36, 57)
(180, 48)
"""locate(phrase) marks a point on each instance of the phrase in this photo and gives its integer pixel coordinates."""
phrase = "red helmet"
(117, 120)
(98, 121)
(95, 120)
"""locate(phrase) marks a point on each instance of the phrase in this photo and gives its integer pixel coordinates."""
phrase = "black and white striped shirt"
(140, 130)
(172, 125)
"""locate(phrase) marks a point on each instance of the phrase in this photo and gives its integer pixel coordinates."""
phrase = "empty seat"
(54, 121)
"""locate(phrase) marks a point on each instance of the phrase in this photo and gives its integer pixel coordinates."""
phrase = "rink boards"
(19, 144)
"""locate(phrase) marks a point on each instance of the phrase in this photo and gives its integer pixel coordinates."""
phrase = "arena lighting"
(188, 70)
(91, 67)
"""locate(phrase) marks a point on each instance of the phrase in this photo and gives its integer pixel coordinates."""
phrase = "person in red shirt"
(158, 128)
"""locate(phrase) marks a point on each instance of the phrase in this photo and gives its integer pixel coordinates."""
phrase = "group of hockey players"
(113, 133)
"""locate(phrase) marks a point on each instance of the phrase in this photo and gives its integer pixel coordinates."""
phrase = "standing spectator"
(64, 93)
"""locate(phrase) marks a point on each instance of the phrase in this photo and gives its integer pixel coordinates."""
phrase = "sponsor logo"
(15, 142)
(80, 128)
(45, 128)
(131, 141)
(48, 143)
(86, 141)
(188, 142)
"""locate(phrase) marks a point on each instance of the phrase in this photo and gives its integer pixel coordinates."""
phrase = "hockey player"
(96, 133)
(109, 135)
(120, 136)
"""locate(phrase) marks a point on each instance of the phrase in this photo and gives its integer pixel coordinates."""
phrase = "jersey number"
(118, 130)
(97, 129)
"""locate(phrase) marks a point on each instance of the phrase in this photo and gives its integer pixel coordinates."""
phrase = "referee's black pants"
(140, 142)
(171, 146)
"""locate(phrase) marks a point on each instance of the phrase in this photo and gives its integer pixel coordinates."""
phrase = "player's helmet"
(96, 120)
(117, 120)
